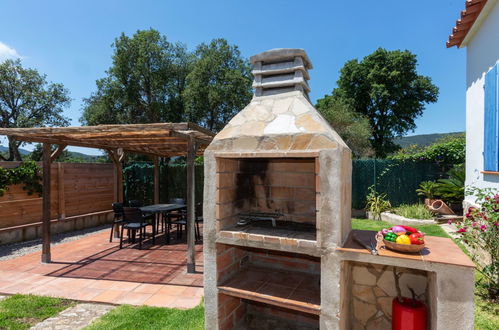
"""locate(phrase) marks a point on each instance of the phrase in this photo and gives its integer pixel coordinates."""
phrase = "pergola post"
(191, 206)
(156, 179)
(118, 174)
(118, 183)
(46, 258)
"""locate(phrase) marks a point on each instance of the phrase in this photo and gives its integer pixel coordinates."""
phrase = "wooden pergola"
(156, 140)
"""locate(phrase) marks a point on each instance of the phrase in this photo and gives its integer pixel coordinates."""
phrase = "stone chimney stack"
(281, 70)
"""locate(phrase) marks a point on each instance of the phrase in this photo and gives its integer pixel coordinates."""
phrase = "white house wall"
(482, 54)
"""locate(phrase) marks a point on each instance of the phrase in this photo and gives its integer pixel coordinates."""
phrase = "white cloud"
(7, 52)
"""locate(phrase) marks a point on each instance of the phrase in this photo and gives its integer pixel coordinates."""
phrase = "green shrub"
(451, 189)
(445, 152)
(413, 211)
(28, 173)
(377, 203)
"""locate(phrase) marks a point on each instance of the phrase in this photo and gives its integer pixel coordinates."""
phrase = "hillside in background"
(423, 140)
(22, 151)
(72, 155)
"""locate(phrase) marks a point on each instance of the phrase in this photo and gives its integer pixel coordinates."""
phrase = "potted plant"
(427, 189)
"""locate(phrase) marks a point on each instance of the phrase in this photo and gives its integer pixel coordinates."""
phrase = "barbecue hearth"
(281, 188)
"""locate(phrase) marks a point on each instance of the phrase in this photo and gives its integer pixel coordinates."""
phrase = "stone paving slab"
(76, 317)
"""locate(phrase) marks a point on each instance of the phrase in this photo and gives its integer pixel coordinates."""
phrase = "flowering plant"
(479, 230)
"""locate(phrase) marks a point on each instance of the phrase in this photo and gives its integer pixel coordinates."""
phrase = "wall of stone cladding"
(373, 289)
(286, 185)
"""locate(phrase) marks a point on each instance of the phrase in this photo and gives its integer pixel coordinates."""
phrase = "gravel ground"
(11, 251)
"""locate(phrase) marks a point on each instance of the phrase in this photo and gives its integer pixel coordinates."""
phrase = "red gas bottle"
(409, 314)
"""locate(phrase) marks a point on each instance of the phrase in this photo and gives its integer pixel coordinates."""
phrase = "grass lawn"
(145, 317)
(23, 311)
(364, 224)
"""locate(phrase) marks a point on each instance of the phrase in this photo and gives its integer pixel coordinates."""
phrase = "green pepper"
(391, 237)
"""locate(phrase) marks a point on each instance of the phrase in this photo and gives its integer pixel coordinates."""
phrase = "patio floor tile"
(133, 298)
(161, 300)
(92, 269)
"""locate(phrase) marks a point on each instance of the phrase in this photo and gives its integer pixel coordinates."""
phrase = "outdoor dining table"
(157, 210)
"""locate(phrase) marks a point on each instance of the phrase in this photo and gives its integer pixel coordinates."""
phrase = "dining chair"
(176, 201)
(134, 222)
(117, 219)
(177, 218)
(134, 203)
(198, 220)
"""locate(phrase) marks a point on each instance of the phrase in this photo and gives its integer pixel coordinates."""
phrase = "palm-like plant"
(427, 189)
(452, 188)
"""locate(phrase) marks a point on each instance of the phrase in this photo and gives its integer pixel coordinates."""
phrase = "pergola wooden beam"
(57, 152)
(156, 140)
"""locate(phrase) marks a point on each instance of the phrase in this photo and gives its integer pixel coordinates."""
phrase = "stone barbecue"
(278, 243)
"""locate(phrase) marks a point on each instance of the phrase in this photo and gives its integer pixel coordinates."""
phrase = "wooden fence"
(76, 189)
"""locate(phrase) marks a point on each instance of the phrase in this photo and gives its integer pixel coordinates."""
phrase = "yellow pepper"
(403, 239)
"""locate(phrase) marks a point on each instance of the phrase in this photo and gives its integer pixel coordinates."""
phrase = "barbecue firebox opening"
(268, 195)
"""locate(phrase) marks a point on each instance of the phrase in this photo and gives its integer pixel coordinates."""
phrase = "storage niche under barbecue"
(268, 197)
(259, 289)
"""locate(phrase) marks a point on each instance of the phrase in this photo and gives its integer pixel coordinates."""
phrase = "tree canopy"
(144, 83)
(353, 127)
(218, 86)
(28, 100)
(153, 80)
(386, 88)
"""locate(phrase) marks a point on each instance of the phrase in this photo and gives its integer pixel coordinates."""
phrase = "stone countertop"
(437, 249)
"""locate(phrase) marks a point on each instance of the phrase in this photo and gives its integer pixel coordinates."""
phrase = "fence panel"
(399, 180)
(139, 182)
(86, 188)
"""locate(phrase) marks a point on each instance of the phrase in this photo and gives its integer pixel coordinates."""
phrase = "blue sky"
(70, 41)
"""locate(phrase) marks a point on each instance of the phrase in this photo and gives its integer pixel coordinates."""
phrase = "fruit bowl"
(407, 248)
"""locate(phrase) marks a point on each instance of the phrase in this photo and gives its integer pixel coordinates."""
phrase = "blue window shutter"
(491, 121)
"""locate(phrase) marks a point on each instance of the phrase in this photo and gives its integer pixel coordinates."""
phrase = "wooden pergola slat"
(156, 140)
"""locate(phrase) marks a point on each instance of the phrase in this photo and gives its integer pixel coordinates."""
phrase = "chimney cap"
(281, 55)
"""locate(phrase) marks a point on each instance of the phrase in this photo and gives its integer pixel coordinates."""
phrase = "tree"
(218, 86)
(144, 83)
(28, 100)
(386, 88)
(353, 128)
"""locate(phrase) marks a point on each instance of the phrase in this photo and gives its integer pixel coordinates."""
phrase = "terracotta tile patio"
(92, 269)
